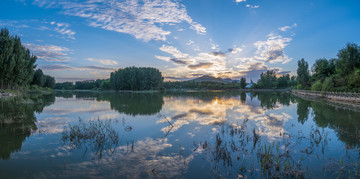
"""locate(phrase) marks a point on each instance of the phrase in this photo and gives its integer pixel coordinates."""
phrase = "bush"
(35, 87)
(328, 84)
(317, 86)
(299, 87)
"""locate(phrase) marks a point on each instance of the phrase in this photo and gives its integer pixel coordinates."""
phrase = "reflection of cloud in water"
(52, 125)
(223, 110)
(66, 106)
(145, 161)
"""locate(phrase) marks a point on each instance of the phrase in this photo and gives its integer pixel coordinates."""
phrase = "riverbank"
(15, 93)
(350, 98)
(222, 90)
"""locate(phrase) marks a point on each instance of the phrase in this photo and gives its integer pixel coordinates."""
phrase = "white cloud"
(252, 6)
(240, 0)
(272, 50)
(103, 61)
(190, 42)
(285, 28)
(143, 19)
(248, 61)
(173, 51)
(63, 28)
(49, 52)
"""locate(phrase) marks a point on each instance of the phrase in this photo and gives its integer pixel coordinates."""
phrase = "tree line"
(269, 80)
(99, 84)
(17, 65)
(341, 73)
(129, 78)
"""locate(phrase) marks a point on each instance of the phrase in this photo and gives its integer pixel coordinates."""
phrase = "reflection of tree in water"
(134, 103)
(123, 102)
(64, 94)
(303, 107)
(95, 135)
(17, 121)
(344, 122)
(269, 100)
(243, 97)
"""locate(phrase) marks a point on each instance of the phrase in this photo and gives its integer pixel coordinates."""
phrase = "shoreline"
(347, 100)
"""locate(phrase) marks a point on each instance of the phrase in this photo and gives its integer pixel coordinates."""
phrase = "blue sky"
(78, 40)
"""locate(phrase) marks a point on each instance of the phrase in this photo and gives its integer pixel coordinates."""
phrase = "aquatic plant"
(96, 135)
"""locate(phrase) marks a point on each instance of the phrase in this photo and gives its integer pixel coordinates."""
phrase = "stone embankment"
(334, 96)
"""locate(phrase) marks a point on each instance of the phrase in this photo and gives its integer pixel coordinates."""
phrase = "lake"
(176, 135)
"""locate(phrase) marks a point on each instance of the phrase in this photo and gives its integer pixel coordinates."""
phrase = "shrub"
(328, 84)
(316, 86)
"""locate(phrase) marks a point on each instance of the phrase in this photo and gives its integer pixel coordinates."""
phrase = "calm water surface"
(181, 135)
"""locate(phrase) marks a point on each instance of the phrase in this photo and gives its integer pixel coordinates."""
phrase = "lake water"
(176, 135)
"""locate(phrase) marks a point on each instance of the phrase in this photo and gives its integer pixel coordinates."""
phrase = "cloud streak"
(51, 53)
(103, 61)
(63, 28)
(143, 19)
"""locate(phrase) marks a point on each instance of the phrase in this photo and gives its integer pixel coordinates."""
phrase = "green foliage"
(269, 80)
(49, 81)
(206, 85)
(328, 84)
(323, 68)
(337, 74)
(303, 74)
(317, 86)
(17, 64)
(299, 87)
(242, 83)
(39, 78)
(136, 78)
(348, 59)
(64, 86)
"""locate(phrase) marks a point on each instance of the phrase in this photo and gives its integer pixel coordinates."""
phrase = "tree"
(243, 83)
(39, 78)
(49, 81)
(303, 75)
(16, 63)
(136, 78)
(323, 68)
(348, 59)
(267, 80)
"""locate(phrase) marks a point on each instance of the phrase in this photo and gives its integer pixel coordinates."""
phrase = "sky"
(185, 39)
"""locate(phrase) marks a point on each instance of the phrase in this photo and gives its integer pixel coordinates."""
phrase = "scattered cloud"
(245, 61)
(93, 67)
(201, 65)
(63, 28)
(50, 53)
(103, 61)
(41, 25)
(252, 6)
(220, 54)
(286, 28)
(173, 51)
(143, 19)
(190, 42)
(240, 0)
(67, 67)
(272, 49)
(179, 61)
